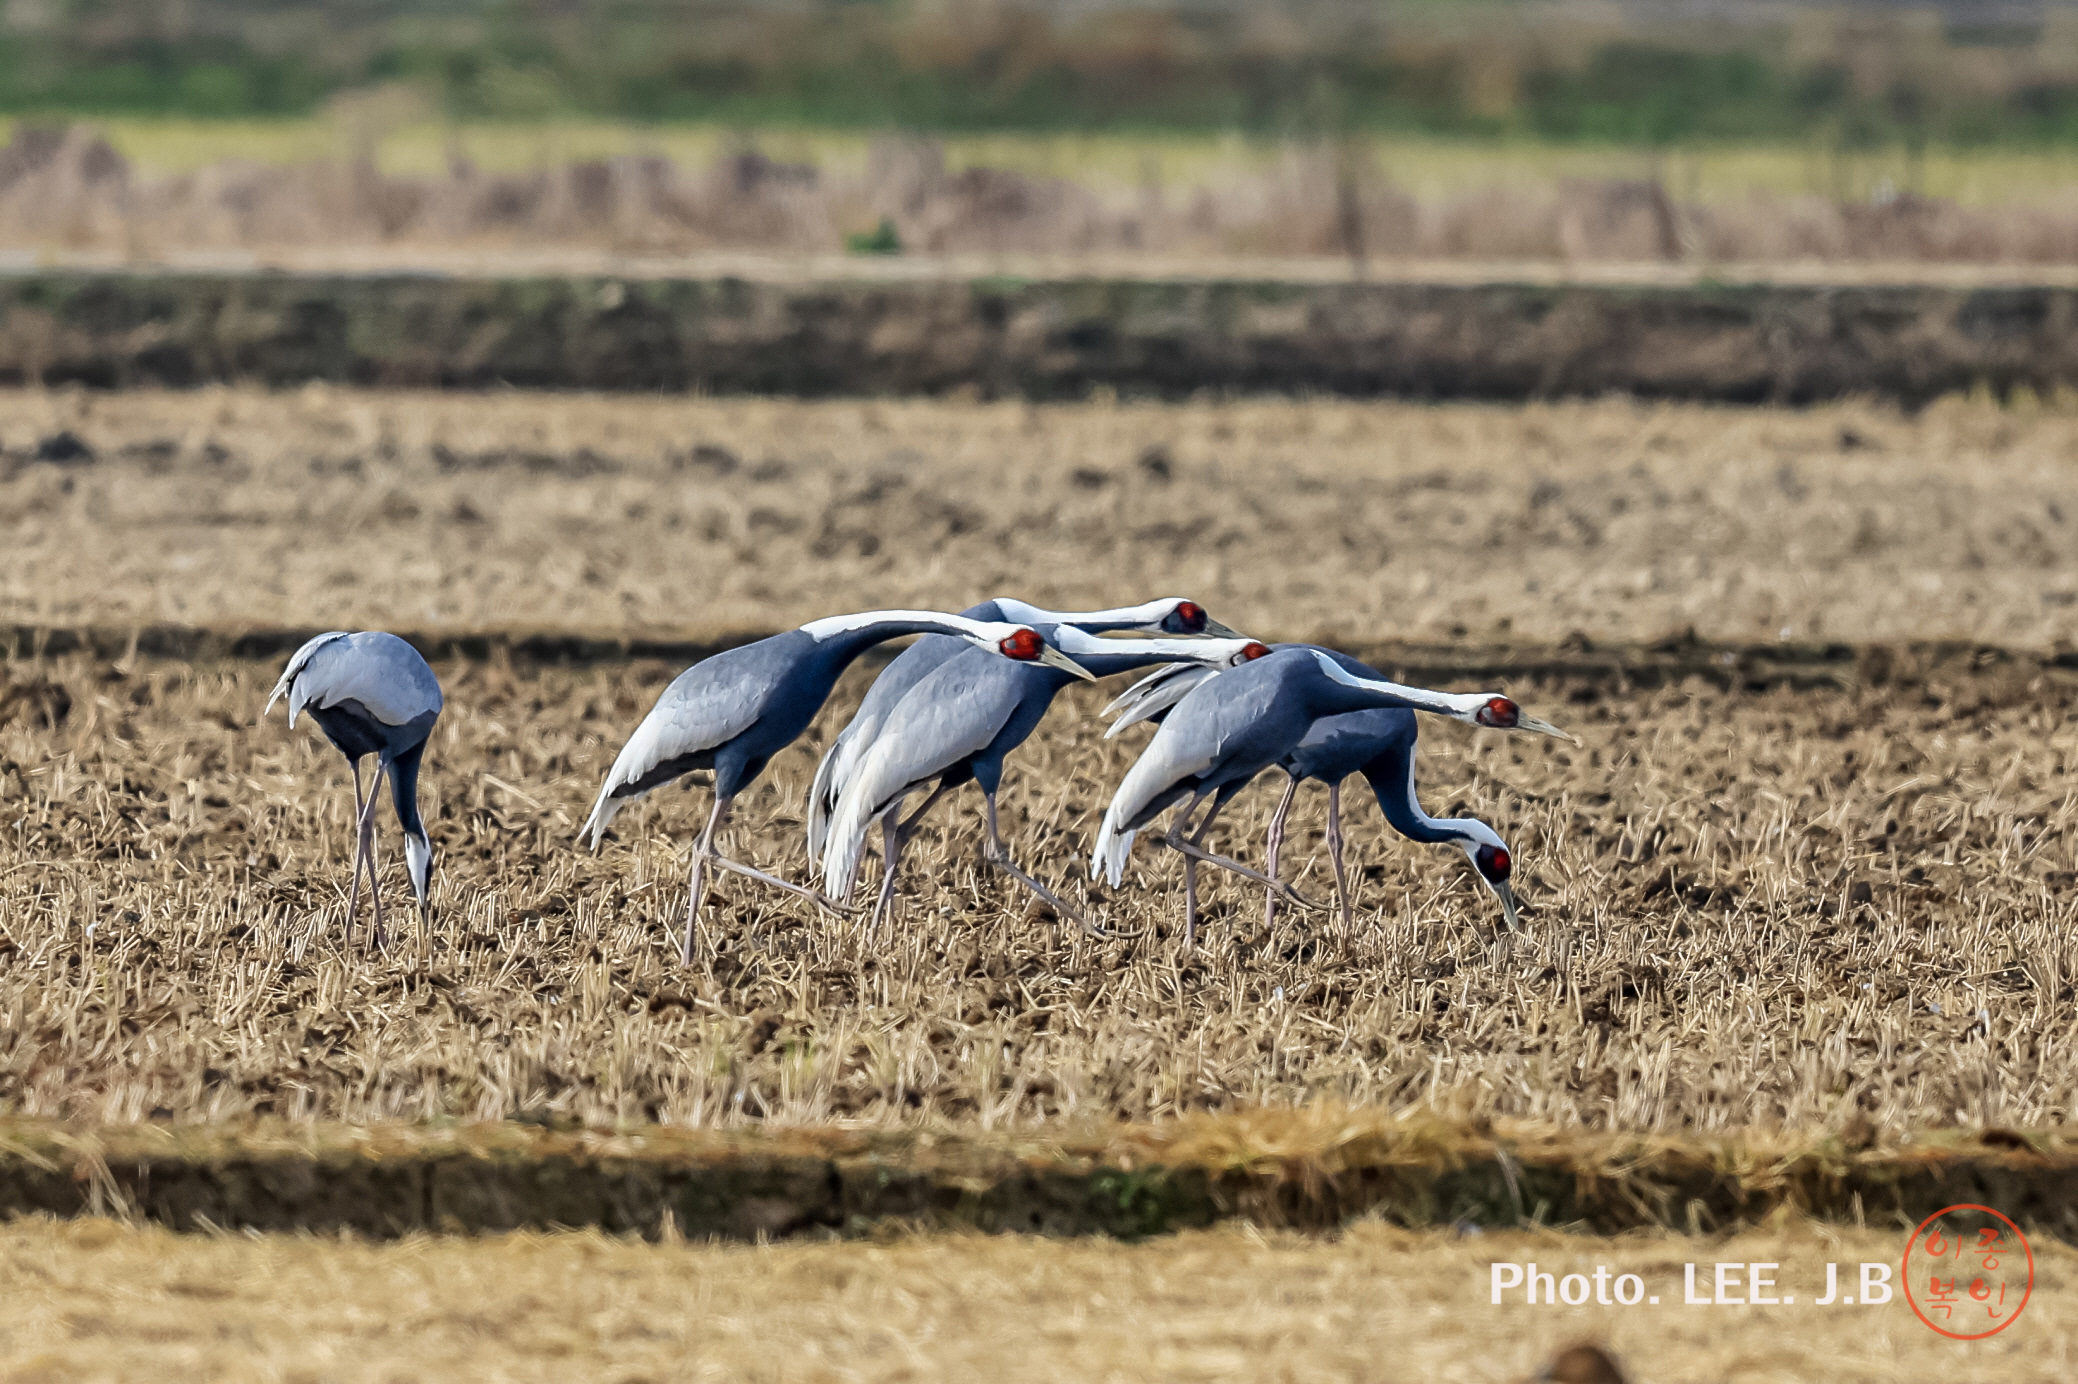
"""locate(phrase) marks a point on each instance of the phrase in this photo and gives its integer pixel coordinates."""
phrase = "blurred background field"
(97, 1300)
(1485, 130)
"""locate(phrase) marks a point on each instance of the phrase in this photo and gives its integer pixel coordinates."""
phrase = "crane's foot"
(1104, 934)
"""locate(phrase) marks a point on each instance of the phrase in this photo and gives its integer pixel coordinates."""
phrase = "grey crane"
(1378, 744)
(1229, 728)
(371, 693)
(731, 713)
(1169, 615)
(958, 723)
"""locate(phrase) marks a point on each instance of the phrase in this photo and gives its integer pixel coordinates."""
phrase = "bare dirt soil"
(617, 515)
(94, 1300)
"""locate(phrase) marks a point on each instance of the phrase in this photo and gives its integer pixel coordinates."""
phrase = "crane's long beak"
(1531, 723)
(1049, 654)
(1509, 913)
(1215, 630)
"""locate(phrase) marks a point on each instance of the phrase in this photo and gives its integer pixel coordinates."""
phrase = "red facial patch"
(1252, 651)
(1500, 713)
(1192, 616)
(1498, 861)
(1024, 646)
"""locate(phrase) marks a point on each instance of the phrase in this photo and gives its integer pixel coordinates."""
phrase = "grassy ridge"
(1311, 1168)
(1425, 166)
(1849, 80)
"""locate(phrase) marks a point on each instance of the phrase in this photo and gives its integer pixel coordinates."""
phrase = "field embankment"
(1040, 340)
(1311, 1169)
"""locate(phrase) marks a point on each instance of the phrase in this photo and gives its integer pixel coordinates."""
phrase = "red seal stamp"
(1968, 1271)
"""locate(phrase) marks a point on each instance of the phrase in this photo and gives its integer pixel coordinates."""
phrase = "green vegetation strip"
(1305, 1169)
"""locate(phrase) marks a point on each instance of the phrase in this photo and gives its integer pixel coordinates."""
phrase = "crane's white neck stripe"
(1414, 802)
(1469, 832)
(1150, 613)
(1448, 703)
(1213, 653)
(832, 626)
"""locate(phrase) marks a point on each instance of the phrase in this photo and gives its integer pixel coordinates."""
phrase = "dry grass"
(1799, 910)
(282, 190)
(619, 515)
(1430, 168)
(93, 1300)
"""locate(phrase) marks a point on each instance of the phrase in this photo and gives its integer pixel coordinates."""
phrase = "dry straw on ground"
(1840, 910)
(608, 516)
(93, 1300)
(71, 189)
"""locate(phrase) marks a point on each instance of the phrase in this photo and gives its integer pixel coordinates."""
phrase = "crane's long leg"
(1194, 851)
(705, 854)
(1335, 856)
(1189, 861)
(696, 887)
(894, 837)
(364, 849)
(1276, 844)
(890, 853)
(1190, 874)
(381, 938)
(998, 855)
(738, 867)
(353, 897)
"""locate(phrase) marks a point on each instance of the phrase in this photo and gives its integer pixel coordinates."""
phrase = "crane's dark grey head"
(1188, 617)
(1501, 713)
(1490, 857)
(1023, 645)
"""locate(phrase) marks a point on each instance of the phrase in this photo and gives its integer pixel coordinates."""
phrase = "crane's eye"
(1494, 862)
(1500, 713)
(1252, 651)
(1187, 618)
(1023, 646)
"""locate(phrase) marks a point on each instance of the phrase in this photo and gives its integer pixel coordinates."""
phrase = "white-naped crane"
(1230, 727)
(731, 713)
(1176, 615)
(371, 693)
(957, 724)
(1380, 745)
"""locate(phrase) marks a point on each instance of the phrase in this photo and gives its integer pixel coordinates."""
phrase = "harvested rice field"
(614, 516)
(1784, 908)
(1832, 910)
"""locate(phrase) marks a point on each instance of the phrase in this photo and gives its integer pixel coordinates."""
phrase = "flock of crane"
(947, 710)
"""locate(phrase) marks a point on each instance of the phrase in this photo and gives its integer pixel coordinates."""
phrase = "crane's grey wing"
(835, 769)
(1155, 694)
(955, 712)
(380, 673)
(703, 709)
(297, 662)
(1209, 717)
(385, 675)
